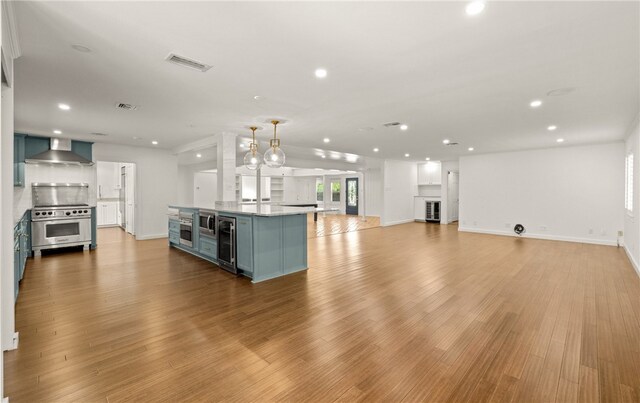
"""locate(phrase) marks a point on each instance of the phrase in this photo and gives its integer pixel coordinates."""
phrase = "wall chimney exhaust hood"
(59, 152)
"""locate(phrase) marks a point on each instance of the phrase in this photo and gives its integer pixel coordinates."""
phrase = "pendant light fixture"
(274, 156)
(253, 159)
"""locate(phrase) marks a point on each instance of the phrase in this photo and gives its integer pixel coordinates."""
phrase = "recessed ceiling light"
(404, 127)
(406, 155)
(475, 7)
(560, 140)
(81, 48)
(326, 140)
(257, 97)
(57, 132)
(154, 142)
(323, 156)
(446, 141)
(321, 73)
(536, 103)
(64, 107)
(427, 159)
(198, 155)
(375, 150)
(136, 138)
(552, 128)
(470, 148)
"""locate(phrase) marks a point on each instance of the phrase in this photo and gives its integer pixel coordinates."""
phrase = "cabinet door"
(423, 177)
(111, 214)
(244, 242)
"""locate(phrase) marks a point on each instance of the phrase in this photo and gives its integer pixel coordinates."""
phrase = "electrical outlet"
(620, 233)
(590, 231)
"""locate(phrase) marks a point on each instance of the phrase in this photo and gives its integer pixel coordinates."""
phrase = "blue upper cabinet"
(18, 159)
(82, 148)
(35, 145)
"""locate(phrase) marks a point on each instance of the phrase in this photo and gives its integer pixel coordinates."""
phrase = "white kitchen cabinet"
(107, 213)
(430, 173)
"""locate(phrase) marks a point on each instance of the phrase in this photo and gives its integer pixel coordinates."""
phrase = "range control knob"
(74, 211)
(50, 212)
(37, 213)
(85, 211)
(68, 213)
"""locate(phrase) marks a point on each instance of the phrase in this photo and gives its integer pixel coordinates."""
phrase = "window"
(319, 190)
(628, 184)
(335, 191)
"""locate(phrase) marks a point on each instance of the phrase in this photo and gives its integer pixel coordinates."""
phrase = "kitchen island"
(268, 241)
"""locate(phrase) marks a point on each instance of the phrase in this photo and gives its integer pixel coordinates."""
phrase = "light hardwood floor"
(331, 224)
(413, 312)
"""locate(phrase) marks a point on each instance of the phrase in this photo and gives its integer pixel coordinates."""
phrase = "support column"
(226, 164)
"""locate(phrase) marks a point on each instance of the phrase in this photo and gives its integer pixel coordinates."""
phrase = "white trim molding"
(632, 260)
(389, 224)
(151, 236)
(539, 236)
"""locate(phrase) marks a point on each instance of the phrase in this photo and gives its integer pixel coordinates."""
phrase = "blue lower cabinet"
(244, 243)
(174, 226)
(16, 268)
(208, 246)
(174, 237)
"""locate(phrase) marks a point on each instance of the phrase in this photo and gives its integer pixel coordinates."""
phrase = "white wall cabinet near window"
(107, 213)
(430, 173)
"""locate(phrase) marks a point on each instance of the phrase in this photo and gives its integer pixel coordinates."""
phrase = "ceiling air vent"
(186, 62)
(127, 107)
(451, 144)
(98, 134)
(391, 124)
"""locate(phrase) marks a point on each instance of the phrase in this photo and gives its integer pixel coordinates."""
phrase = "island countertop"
(264, 210)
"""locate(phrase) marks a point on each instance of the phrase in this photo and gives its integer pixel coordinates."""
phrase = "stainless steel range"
(61, 216)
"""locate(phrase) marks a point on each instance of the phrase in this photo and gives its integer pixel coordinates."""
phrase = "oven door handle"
(61, 220)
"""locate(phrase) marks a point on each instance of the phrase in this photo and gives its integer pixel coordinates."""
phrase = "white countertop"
(265, 210)
(430, 197)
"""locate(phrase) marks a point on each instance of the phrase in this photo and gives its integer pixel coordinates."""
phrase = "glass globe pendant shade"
(274, 157)
(252, 160)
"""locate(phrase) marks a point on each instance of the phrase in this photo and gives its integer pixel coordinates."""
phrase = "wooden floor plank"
(413, 312)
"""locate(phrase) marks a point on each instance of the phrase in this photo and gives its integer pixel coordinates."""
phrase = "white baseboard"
(388, 224)
(152, 236)
(632, 260)
(540, 236)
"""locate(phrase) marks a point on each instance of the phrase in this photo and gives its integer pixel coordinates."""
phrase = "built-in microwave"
(207, 222)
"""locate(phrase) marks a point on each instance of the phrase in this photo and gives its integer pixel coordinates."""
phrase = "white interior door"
(452, 195)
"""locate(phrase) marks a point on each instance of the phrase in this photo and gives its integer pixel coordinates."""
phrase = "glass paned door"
(352, 196)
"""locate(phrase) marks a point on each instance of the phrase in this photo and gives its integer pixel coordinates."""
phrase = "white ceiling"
(429, 65)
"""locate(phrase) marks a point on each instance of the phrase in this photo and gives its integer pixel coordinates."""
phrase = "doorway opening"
(116, 187)
(453, 199)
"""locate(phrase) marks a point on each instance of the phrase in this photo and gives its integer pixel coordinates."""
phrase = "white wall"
(400, 185)
(6, 209)
(561, 193)
(205, 189)
(156, 184)
(632, 221)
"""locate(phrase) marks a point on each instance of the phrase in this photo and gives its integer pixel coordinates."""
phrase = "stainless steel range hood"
(59, 153)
